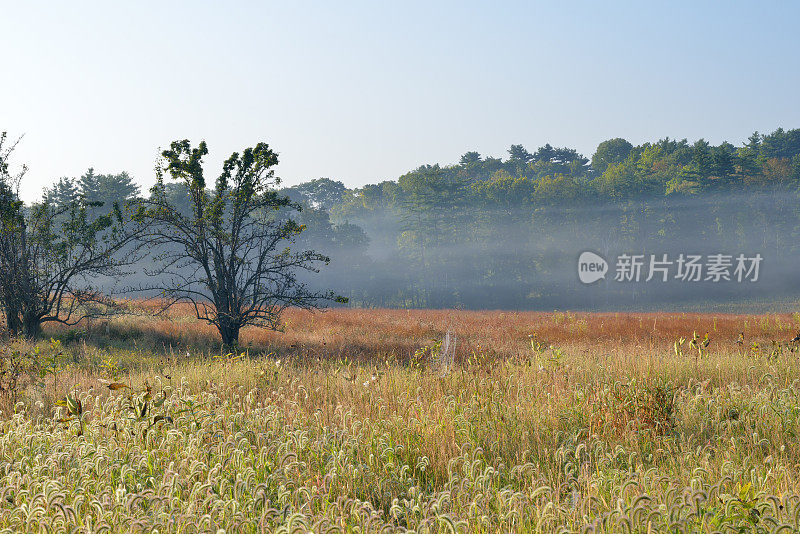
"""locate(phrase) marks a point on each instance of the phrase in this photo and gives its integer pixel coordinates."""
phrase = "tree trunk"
(32, 326)
(229, 331)
(13, 323)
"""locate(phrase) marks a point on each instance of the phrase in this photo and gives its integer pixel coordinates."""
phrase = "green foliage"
(22, 366)
(490, 232)
(611, 152)
(50, 250)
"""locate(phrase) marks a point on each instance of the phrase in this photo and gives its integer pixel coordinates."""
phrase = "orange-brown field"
(370, 333)
(355, 420)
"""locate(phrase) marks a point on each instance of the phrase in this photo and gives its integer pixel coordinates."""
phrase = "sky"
(364, 91)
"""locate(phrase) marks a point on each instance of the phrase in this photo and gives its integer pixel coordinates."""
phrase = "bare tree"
(227, 252)
(50, 256)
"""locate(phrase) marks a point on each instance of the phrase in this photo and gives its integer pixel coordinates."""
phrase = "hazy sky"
(364, 91)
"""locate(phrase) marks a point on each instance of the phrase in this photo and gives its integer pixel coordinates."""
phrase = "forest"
(505, 233)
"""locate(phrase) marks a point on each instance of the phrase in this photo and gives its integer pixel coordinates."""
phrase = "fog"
(528, 259)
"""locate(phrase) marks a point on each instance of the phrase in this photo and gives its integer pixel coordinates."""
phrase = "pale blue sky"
(364, 91)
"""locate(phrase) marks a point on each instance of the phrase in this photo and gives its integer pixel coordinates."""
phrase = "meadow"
(351, 421)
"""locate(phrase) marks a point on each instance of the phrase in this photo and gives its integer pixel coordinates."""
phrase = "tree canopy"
(228, 251)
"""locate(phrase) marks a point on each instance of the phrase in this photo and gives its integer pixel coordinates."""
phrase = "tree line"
(484, 232)
(492, 232)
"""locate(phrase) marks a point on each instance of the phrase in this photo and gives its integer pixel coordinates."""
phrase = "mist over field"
(488, 233)
(532, 262)
(492, 233)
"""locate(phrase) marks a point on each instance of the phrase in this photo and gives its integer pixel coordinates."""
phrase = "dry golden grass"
(367, 334)
(340, 422)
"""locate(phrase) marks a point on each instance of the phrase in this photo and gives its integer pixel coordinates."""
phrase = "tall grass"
(341, 428)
